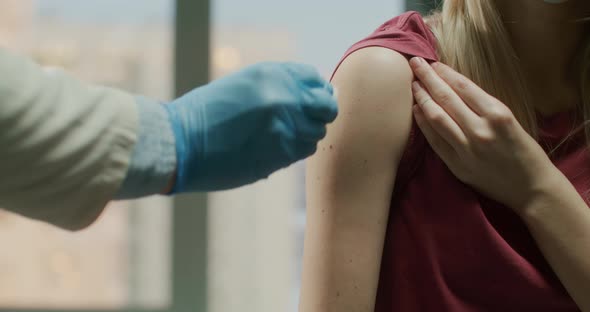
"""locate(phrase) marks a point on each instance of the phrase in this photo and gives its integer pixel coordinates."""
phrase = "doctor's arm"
(67, 148)
(65, 145)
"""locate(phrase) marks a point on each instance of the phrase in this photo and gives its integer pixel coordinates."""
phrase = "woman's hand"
(479, 138)
(482, 143)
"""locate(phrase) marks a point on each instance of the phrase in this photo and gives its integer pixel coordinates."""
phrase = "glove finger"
(320, 105)
(309, 129)
(306, 149)
(306, 74)
(296, 144)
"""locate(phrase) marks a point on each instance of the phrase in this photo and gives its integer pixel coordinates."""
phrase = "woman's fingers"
(443, 94)
(496, 113)
(437, 118)
(435, 140)
(475, 97)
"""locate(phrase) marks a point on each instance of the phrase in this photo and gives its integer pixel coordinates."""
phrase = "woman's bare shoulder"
(375, 97)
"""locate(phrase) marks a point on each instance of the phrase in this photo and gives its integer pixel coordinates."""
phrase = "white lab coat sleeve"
(65, 146)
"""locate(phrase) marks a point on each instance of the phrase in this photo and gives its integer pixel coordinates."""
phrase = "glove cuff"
(153, 161)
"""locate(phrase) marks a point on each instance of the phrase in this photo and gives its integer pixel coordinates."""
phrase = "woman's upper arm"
(350, 181)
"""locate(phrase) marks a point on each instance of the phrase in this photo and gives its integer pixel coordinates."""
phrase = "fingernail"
(435, 65)
(415, 62)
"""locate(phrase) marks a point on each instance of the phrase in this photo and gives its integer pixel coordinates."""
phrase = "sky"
(322, 29)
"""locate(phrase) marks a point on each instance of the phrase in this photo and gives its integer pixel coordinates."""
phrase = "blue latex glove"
(241, 128)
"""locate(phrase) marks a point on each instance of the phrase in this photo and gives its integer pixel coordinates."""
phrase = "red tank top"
(449, 248)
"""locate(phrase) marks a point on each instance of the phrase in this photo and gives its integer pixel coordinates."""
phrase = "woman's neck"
(547, 39)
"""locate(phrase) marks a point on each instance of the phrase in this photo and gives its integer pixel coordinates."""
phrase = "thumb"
(320, 104)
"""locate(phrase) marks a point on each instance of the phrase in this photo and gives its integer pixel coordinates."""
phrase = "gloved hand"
(241, 128)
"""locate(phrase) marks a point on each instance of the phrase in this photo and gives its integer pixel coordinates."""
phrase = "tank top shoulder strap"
(406, 34)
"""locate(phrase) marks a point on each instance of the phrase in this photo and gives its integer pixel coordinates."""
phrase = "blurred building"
(15, 18)
(235, 48)
(252, 254)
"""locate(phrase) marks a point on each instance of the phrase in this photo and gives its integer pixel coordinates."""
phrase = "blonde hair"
(473, 40)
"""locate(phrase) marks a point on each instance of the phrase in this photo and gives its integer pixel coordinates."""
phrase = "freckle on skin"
(337, 294)
(330, 146)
